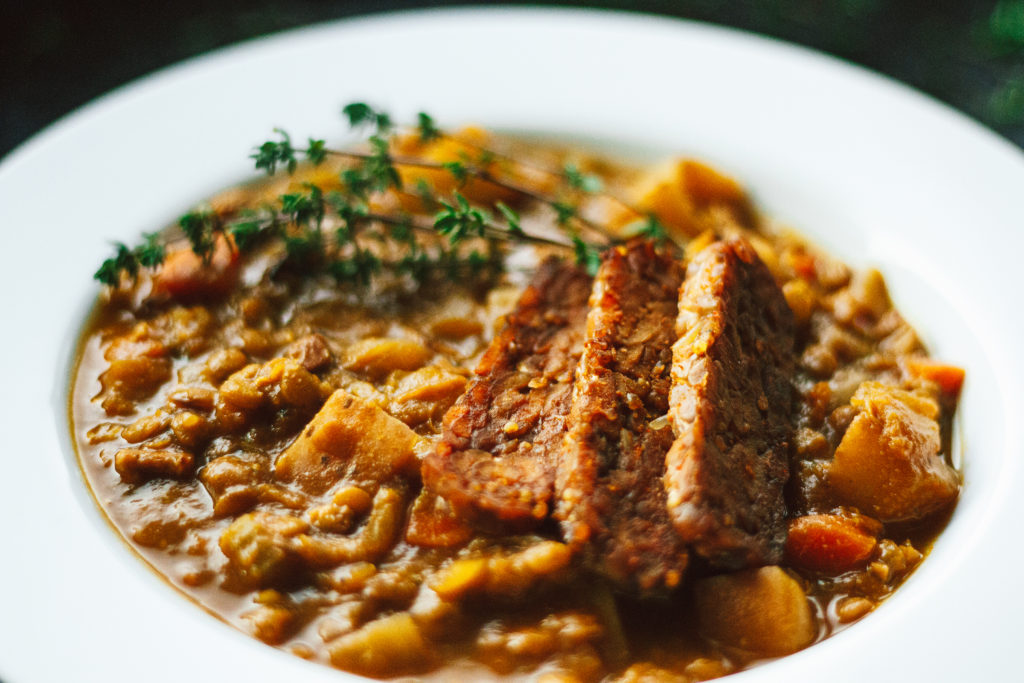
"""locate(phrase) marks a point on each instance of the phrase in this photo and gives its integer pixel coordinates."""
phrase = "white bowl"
(870, 170)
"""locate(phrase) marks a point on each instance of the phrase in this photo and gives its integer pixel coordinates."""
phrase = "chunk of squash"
(348, 437)
(388, 646)
(888, 464)
(763, 611)
(679, 193)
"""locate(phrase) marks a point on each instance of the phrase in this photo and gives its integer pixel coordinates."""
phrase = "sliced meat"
(496, 457)
(610, 499)
(731, 409)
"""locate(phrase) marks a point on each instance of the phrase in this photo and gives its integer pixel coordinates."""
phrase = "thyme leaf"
(428, 131)
(587, 255)
(590, 184)
(272, 153)
(200, 227)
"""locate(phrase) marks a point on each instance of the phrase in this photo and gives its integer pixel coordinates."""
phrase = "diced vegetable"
(501, 575)
(380, 533)
(432, 524)
(677, 192)
(348, 436)
(280, 382)
(187, 276)
(464, 148)
(830, 544)
(949, 377)
(801, 299)
(866, 296)
(888, 463)
(377, 356)
(266, 548)
(259, 547)
(340, 514)
(763, 611)
(431, 383)
(128, 380)
(385, 647)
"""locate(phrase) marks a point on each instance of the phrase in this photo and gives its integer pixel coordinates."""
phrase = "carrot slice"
(949, 377)
(432, 524)
(830, 544)
(184, 275)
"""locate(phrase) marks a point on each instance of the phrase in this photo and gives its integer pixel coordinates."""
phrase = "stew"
(673, 465)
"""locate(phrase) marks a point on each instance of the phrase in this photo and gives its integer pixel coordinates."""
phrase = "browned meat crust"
(731, 405)
(610, 499)
(496, 458)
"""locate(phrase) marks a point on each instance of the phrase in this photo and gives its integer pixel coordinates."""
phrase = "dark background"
(56, 55)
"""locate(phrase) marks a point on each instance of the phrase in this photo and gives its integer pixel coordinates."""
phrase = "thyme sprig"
(149, 254)
(335, 231)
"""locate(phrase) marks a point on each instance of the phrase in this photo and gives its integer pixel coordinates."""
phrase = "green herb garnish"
(333, 232)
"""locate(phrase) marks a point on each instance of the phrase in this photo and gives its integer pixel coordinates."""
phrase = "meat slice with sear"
(731, 408)
(496, 458)
(611, 503)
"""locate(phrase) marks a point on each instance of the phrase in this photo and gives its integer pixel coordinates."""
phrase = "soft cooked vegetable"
(266, 548)
(386, 646)
(186, 275)
(505, 576)
(949, 377)
(684, 194)
(348, 437)
(888, 463)
(830, 544)
(376, 538)
(259, 547)
(380, 356)
(760, 610)
(433, 524)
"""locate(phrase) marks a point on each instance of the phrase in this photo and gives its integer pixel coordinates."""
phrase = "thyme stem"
(478, 173)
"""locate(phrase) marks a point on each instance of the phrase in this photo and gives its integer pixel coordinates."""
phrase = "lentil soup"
(672, 465)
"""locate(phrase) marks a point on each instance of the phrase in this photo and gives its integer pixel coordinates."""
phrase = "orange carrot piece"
(830, 544)
(949, 377)
(184, 275)
(432, 524)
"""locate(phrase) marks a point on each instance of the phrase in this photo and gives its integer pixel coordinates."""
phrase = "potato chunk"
(764, 611)
(385, 647)
(888, 463)
(348, 437)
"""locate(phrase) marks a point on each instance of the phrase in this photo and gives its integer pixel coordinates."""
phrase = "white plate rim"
(950, 639)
